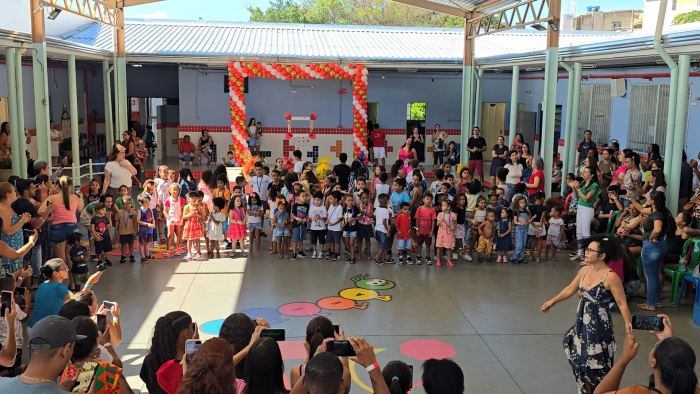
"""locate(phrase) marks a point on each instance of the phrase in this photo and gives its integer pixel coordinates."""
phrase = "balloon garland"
(358, 74)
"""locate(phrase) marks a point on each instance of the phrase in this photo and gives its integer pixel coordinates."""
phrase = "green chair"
(677, 276)
(640, 268)
(611, 223)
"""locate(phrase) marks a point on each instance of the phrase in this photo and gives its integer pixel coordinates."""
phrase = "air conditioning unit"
(617, 87)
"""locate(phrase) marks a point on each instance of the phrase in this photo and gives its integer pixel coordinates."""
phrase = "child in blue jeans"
(521, 220)
(280, 223)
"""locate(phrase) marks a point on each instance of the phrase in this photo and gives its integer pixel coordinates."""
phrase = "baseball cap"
(56, 330)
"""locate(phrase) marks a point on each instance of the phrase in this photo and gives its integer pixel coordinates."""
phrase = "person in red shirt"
(425, 219)
(536, 181)
(378, 138)
(186, 150)
(403, 233)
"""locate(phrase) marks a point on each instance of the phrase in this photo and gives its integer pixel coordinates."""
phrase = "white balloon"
(364, 78)
(243, 107)
(364, 71)
(308, 70)
(230, 92)
(236, 64)
(283, 78)
(362, 110)
(268, 67)
(352, 71)
(346, 68)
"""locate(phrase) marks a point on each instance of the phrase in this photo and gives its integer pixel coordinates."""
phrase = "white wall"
(16, 15)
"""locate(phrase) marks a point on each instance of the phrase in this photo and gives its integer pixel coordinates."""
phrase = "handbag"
(689, 206)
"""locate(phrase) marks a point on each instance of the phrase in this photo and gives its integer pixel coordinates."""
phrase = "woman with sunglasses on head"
(590, 343)
(52, 294)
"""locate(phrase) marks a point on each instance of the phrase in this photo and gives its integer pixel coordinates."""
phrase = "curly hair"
(210, 371)
(607, 244)
(164, 340)
(237, 330)
(318, 329)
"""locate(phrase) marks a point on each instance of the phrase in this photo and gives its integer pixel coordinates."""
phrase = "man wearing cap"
(50, 347)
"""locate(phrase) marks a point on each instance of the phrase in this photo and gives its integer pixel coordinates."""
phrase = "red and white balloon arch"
(237, 71)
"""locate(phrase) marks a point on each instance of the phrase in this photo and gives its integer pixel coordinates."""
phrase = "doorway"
(493, 117)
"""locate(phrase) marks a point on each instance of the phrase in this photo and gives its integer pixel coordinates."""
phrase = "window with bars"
(595, 112)
(648, 115)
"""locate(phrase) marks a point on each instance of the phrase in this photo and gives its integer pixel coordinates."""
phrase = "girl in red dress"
(238, 228)
(193, 217)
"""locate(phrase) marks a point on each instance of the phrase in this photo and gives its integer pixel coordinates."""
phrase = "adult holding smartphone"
(12, 224)
(593, 328)
(419, 144)
(499, 153)
(438, 139)
(476, 146)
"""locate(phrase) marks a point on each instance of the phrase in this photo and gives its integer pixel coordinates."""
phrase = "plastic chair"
(677, 276)
(689, 278)
(640, 268)
(611, 223)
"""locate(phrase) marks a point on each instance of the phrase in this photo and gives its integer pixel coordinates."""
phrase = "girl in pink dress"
(407, 153)
(447, 222)
(238, 227)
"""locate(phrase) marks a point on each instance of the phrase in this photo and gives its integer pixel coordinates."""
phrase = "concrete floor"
(485, 316)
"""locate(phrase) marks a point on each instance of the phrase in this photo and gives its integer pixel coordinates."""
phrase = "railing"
(90, 174)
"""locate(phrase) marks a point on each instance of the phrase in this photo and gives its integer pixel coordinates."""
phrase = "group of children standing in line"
(406, 211)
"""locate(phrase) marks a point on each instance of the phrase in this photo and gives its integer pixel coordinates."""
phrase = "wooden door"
(3, 110)
(492, 123)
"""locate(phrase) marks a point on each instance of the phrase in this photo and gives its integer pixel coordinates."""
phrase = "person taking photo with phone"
(7, 286)
(113, 335)
(12, 225)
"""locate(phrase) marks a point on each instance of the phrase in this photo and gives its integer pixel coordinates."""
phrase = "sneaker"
(390, 261)
(455, 256)
(182, 162)
(378, 262)
(467, 257)
(229, 245)
(122, 260)
(294, 256)
(418, 260)
(449, 263)
(93, 258)
(389, 253)
(437, 264)
(263, 234)
(109, 263)
(498, 260)
(401, 262)
(143, 261)
(409, 261)
(302, 254)
(346, 251)
(132, 259)
(428, 261)
(313, 255)
(310, 248)
(334, 257)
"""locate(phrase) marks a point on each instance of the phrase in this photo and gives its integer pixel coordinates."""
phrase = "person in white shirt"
(298, 164)
(383, 217)
(515, 171)
(317, 224)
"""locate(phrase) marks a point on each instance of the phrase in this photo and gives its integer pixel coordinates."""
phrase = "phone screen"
(108, 305)
(278, 334)
(649, 323)
(76, 189)
(336, 328)
(5, 302)
(102, 323)
(191, 347)
(341, 348)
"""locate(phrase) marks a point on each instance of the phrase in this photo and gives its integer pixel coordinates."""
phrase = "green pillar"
(575, 102)
(514, 103)
(550, 102)
(477, 101)
(74, 132)
(679, 132)
(41, 101)
(567, 123)
(109, 126)
(467, 82)
(672, 97)
(20, 114)
(122, 105)
(12, 101)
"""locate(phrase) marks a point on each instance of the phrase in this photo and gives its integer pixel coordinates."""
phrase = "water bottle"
(681, 265)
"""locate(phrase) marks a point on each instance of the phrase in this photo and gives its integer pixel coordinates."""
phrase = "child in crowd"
(520, 190)
(255, 213)
(127, 229)
(119, 202)
(465, 178)
(215, 227)
(193, 217)
(21, 305)
(397, 170)
(505, 240)
(279, 166)
(298, 164)
(487, 232)
(364, 229)
(172, 175)
(162, 185)
(425, 222)
(554, 232)
(100, 228)
(378, 170)
(435, 186)
(403, 235)
(381, 188)
(229, 160)
(300, 215)
(350, 217)
(94, 193)
(146, 222)
(501, 175)
(172, 211)
(222, 191)
(521, 220)
(398, 196)
(78, 265)
(272, 195)
(203, 186)
(478, 217)
(453, 154)
(557, 176)
(238, 228)
(536, 230)
(280, 223)
(450, 181)
(447, 222)
(460, 211)
(317, 225)
(494, 205)
(447, 167)
(335, 229)
(382, 216)
(360, 186)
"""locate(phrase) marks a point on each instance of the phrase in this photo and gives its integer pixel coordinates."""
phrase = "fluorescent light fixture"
(383, 77)
(539, 27)
(137, 65)
(588, 66)
(553, 25)
(54, 14)
(294, 90)
(534, 69)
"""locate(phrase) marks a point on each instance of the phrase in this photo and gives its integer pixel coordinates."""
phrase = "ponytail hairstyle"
(211, 369)
(607, 244)
(164, 340)
(396, 167)
(594, 173)
(659, 199)
(660, 179)
(289, 181)
(206, 177)
(311, 177)
(676, 361)
(265, 371)
(613, 157)
(635, 158)
(85, 347)
(318, 329)
(398, 377)
(65, 182)
(686, 218)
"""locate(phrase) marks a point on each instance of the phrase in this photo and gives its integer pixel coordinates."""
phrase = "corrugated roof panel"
(319, 41)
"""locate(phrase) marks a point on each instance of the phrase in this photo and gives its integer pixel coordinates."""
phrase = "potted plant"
(5, 168)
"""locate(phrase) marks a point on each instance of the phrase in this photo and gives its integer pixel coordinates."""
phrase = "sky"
(235, 10)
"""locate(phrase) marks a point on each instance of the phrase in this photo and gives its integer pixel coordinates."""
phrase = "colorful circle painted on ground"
(301, 309)
(339, 303)
(362, 282)
(362, 295)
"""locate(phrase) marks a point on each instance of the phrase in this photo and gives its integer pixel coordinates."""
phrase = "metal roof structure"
(145, 38)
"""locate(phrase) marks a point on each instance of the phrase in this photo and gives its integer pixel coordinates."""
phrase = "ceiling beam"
(130, 3)
(429, 5)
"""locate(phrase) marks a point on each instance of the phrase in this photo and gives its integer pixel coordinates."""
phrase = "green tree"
(352, 12)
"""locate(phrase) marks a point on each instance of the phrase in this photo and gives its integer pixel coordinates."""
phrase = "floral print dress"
(590, 343)
(445, 237)
(14, 241)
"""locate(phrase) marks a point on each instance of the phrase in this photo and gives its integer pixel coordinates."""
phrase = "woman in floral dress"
(590, 343)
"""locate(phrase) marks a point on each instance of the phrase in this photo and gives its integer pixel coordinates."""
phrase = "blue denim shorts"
(59, 232)
(334, 236)
(403, 244)
(281, 232)
(299, 233)
(383, 240)
(349, 234)
(253, 226)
